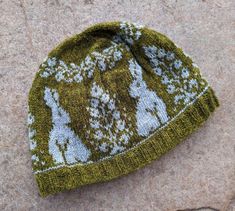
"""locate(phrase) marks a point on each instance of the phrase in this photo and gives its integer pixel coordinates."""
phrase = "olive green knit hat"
(109, 101)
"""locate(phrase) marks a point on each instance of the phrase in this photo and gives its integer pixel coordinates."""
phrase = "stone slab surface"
(199, 174)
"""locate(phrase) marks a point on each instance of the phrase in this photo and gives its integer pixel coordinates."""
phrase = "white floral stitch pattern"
(64, 145)
(175, 75)
(130, 32)
(151, 110)
(32, 141)
(76, 73)
(31, 132)
(110, 133)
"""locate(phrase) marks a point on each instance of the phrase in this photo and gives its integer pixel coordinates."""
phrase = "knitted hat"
(109, 101)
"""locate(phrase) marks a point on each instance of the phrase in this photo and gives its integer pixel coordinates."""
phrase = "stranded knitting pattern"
(109, 101)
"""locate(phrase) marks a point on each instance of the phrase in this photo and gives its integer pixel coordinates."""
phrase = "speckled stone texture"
(198, 173)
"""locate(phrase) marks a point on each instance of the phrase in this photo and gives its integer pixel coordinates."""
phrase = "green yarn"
(109, 101)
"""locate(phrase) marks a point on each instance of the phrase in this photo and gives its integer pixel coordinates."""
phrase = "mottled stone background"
(198, 173)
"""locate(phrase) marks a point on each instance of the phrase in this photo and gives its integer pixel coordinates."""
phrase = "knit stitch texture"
(109, 101)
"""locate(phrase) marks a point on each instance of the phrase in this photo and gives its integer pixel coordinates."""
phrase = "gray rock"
(200, 172)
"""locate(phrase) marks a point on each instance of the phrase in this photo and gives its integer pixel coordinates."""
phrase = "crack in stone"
(28, 30)
(200, 208)
(89, 1)
(230, 205)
